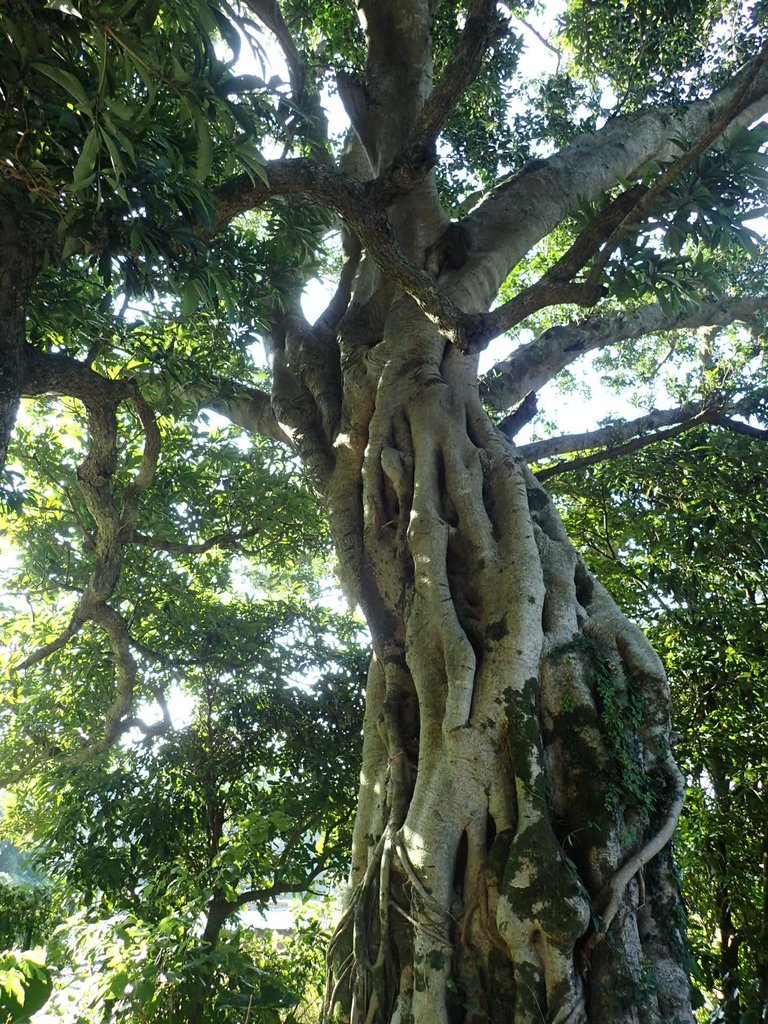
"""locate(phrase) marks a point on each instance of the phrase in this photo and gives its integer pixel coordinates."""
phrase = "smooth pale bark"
(516, 767)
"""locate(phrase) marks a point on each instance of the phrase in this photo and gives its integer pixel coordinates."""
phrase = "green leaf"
(114, 155)
(252, 161)
(86, 162)
(25, 984)
(204, 147)
(68, 82)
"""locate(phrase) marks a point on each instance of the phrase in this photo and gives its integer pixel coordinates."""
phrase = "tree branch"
(53, 373)
(332, 315)
(532, 365)
(114, 521)
(526, 208)
(269, 14)
(117, 720)
(672, 173)
(360, 205)
(483, 26)
(738, 427)
(219, 540)
(555, 286)
(615, 433)
(607, 903)
(278, 889)
(146, 471)
(251, 410)
(616, 452)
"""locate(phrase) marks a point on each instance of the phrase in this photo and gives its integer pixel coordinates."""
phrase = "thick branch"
(739, 427)
(53, 373)
(555, 287)
(483, 26)
(251, 410)
(617, 451)
(114, 521)
(650, 196)
(146, 472)
(532, 365)
(332, 315)
(525, 209)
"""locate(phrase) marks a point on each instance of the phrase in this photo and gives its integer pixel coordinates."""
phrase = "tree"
(153, 851)
(518, 791)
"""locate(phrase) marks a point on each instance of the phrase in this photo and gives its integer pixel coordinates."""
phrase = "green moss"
(435, 960)
(552, 895)
(523, 723)
(620, 716)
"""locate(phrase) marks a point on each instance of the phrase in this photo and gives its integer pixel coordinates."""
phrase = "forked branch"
(646, 201)
(524, 209)
(618, 450)
(616, 433)
(483, 26)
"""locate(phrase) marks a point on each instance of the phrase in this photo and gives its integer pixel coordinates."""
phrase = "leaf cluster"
(656, 49)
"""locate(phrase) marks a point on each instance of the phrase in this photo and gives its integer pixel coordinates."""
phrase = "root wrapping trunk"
(518, 794)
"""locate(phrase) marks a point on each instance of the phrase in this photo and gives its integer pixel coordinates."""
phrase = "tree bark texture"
(518, 793)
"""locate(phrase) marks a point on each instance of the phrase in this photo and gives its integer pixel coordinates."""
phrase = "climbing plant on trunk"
(518, 795)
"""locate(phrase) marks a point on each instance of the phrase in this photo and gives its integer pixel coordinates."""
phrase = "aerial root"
(610, 898)
(418, 886)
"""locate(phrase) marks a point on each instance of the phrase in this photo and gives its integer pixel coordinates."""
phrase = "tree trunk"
(511, 854)
(518, 795)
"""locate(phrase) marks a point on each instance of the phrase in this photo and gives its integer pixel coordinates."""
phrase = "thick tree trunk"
(511, 854)
(511, 850)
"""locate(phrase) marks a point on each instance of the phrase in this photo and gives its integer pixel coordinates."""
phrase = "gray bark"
(517, 787)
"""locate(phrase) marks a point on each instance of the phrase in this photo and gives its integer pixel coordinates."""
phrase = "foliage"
(25, 984)
(661, 43)
(102, 84)
(238, 779)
